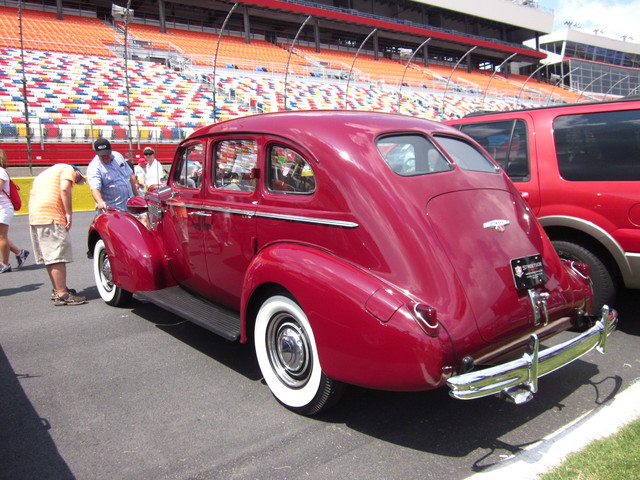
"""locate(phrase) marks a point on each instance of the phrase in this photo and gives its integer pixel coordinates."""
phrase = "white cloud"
(616, 18)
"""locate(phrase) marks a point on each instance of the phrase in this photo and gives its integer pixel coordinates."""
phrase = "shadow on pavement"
(425, 421)
(26, 448)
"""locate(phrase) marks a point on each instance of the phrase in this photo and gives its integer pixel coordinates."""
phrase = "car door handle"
(199, 213)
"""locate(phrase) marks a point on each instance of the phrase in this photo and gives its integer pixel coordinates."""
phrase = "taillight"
(427, 319)
(580, 268)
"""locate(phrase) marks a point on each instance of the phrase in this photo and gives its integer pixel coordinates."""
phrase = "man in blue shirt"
(110, 178)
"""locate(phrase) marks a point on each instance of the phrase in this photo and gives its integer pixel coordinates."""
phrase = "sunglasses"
(148, 154)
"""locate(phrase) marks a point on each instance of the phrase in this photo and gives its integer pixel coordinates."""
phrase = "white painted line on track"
(552, 450)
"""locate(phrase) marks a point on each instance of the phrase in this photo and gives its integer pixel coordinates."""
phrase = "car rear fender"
(137, 259)
(365, 330)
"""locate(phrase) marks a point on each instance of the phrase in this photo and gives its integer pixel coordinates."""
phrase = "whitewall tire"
(288, 357)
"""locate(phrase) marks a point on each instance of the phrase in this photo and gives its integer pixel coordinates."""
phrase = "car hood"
(482, 231)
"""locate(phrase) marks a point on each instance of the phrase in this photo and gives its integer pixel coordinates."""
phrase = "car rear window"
(466, 155)
(410, 155)
(598, 146)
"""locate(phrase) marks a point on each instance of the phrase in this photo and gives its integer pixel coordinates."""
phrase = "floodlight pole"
(405, 71)
(346, 95)
(444, 95)
(215, 59)
(286, 70)
(24, 92)
(495, 70)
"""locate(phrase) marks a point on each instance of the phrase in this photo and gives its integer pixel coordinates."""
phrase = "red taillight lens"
(428, 319)
(580, 268)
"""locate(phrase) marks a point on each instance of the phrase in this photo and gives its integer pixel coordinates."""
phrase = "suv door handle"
(525, 195)
(199, 213)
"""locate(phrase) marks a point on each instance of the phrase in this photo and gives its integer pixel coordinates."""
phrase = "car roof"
(299, 124)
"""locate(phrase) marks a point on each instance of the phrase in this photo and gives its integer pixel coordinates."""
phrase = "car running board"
(219, 320)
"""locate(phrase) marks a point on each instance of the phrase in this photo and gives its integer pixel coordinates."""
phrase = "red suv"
(579, 168)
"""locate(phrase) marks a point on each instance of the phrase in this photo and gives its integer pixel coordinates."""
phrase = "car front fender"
(136, 256)
(365, 330)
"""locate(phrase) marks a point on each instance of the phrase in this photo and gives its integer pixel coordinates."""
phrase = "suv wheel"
(604, 288)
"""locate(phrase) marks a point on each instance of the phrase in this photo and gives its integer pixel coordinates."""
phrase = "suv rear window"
(506, 141)
(598, 146)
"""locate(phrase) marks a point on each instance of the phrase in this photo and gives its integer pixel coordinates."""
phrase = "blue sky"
(612, 18)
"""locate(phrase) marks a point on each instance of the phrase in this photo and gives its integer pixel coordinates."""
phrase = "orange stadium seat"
(43, 31)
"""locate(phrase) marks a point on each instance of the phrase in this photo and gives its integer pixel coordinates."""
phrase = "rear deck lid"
(496, 250)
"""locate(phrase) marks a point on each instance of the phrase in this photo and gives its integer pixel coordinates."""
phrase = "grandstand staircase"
(143, 49)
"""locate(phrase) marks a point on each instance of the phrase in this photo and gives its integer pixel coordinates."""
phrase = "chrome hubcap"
(105, 271)
(288, 349)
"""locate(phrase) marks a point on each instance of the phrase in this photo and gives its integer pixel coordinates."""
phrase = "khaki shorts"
(51, 244)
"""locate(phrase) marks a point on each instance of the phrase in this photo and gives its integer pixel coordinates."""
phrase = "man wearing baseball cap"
(140, 171)
(110, 177)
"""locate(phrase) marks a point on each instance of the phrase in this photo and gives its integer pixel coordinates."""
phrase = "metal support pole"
(346, 95)
(126, 75)
(525, 82)
(405, 71)
(24, 93)
(286, 70)
(444, 95)
(495, 70)
(215, 59)
(561, 79)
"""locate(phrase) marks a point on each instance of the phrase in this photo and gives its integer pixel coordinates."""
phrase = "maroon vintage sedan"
(353, 248)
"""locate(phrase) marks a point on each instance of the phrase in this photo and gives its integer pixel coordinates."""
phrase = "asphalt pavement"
(96, 392)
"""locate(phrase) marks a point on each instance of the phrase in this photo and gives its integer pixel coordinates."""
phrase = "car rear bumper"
(517, 380)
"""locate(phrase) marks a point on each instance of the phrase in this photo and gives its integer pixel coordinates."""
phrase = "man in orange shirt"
(50, 215)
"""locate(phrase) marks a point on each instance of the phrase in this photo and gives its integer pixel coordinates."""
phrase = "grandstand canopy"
(497, 30)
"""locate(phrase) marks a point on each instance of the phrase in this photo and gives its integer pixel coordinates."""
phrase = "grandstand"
(587, 62)
(76, 84)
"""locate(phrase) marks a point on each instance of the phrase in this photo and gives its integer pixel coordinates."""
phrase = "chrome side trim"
(277, 216)
(525, 371)
(299, 218)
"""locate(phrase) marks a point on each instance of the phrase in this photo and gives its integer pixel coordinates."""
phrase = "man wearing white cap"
(155, 173)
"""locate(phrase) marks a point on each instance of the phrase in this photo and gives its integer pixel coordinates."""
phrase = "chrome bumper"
(517, 380)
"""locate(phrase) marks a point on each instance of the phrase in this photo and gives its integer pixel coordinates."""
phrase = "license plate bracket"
(528, 272)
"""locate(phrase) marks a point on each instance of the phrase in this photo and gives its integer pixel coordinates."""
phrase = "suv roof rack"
(629, 98)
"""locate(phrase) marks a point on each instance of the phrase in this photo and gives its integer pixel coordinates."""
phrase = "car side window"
(410, 155)
(602, 146)
(289, 172)
(507, 143)
(188, 170)
(235, 162)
